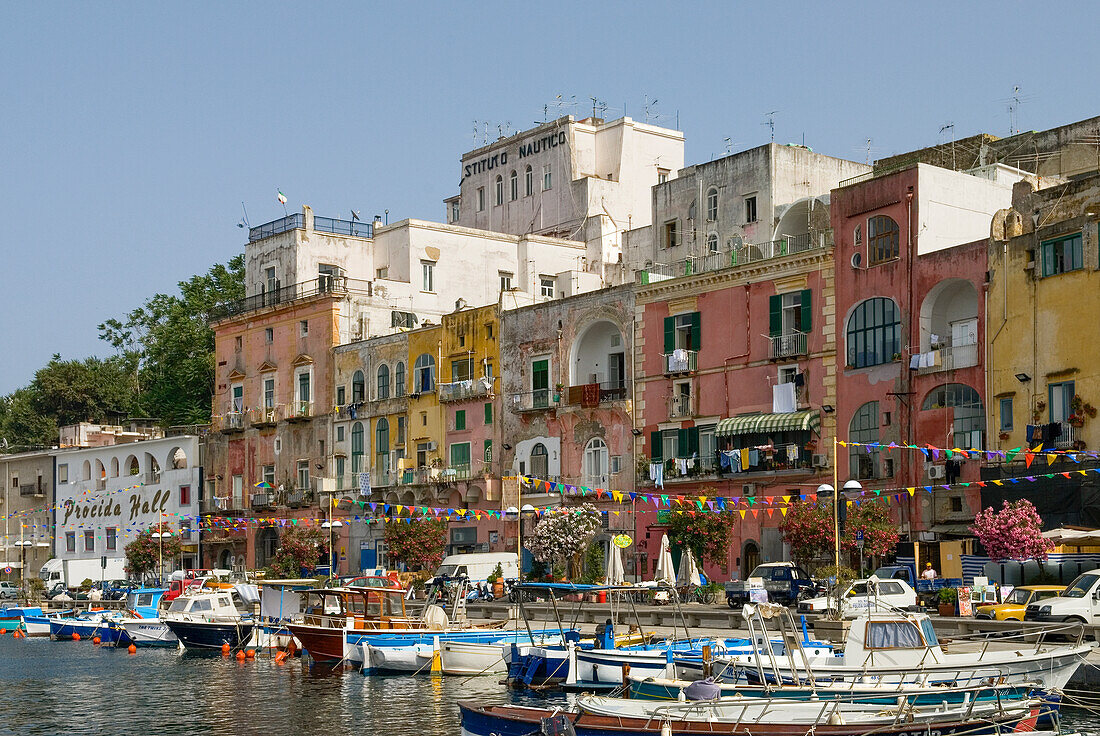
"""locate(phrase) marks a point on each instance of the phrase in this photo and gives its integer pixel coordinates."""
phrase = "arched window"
(513, 186)
(712, 243)
(882, 239)
(712, 204)
(873, 333)
(528, 181)
(382, 441)
(863, 429)
(540, 461)
(424, 373)
(383, 382)
(358, 387)
(969, 414)
(595, 463)
(357, 447)
(399, 379)
(499, 199)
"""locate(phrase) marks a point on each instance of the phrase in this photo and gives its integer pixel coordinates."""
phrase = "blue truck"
(927, 590)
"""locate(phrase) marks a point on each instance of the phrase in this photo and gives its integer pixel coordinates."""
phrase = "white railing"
(949, 358)
(461, 390)
(745, 254)
(1067, 438)
(680, 407)
(785, 346)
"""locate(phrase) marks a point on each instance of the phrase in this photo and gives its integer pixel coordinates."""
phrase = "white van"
(477, 566)
(1079, 603)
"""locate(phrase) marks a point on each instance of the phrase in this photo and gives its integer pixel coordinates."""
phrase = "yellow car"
(1013, 607)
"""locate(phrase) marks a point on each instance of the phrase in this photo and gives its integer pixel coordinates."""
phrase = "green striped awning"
(765, 423)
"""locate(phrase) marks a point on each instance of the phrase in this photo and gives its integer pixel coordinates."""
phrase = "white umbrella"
(665, 571)
(615, 573)
(689, 571)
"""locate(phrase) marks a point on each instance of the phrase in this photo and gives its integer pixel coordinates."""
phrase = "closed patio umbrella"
(666, 573)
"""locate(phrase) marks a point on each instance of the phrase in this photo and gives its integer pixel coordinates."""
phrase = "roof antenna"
(770, 122)
(729, 146)
(950, 126)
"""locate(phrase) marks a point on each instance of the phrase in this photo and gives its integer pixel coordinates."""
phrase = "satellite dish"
(857, 260)
(354, 215)
(736, 242)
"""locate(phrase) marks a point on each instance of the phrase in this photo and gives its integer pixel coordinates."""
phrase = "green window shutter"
(488, 449)
(682, 442)
(807, 311)
(460, 419)
(670, 334)
(693, 441)
(655, 446)
(489, 413)
(696, 332)
(775, 315)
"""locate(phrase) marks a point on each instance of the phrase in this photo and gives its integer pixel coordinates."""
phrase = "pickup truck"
(782, 580)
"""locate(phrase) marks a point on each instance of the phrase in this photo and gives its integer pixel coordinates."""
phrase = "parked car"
(1014, 606)
(116, 590)
(866, 595)
(1079, 603)
(8, 590)
(783, 581)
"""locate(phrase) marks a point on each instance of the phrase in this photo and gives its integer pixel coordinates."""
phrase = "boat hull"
(204, 635)
(471, 658)
(149, 632)
(63, 629)
(323, 644)
(505, 720)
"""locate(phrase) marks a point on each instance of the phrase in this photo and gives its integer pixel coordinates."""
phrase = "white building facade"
(106, 496)
(586, 180)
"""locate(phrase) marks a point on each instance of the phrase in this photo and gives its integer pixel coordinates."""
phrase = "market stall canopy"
(765, 423)
(1073, 537)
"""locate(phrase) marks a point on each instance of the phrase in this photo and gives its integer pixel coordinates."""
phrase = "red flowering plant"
(880, 534)
(808, 529)
(564, 535)
(300, 549)
(419, 543)
(1013, 533)
(145, 553)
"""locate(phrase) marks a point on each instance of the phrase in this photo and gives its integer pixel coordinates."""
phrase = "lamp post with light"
(518, 514)
(23, 544)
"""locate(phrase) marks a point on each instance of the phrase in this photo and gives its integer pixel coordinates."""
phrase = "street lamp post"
(332, 526)
(527, 509)
(160, 535)
(23, 544)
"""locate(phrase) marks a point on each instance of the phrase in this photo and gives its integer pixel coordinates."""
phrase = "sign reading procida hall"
(117, 507)
(523, 150)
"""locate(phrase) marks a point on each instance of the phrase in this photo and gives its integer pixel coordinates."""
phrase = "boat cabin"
(145, 602)
(356, 608)
(205, 605)
(892, 640)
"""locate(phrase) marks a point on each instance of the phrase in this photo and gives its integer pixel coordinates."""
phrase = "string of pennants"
(934, 453)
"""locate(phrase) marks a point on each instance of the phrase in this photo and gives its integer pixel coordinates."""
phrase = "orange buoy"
(291, 648)
(250, 653)
(132, 649)
(280, 657)
(225, 649)
(96, 640)
(240, 656)
(76, 636)
(16, 634)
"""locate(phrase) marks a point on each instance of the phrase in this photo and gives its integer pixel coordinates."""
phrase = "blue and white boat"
(421, 652)
(142, 626)
(35, 621)
(88, 625)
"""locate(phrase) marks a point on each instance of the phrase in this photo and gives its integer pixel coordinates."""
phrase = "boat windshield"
(1080, 587)
(929, 632)
(1018, 596)
(180, 604)
(892, 635)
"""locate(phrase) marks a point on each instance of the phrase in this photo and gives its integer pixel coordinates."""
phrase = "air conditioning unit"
(820, 461)
(748, 489)
(936, 471)
(432, 446)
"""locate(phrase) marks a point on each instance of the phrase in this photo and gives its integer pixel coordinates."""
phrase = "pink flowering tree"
(1013, 533)
(564, 535)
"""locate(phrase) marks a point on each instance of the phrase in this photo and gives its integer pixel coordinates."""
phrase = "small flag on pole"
(281, 197)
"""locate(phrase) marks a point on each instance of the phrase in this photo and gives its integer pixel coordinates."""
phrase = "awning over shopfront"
(766, 423)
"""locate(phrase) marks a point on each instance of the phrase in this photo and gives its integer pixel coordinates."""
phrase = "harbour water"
(77, 688)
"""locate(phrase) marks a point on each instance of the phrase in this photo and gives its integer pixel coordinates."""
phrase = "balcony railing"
(740, 256)
(262, 501)
(299, 410)
(297, 221)
(462, 390)
(680, 361)
(265, 417)
(680, 407)
(785, 346)
(1067, 438)
(323, 284)
(537, 400)
(949, 358)
(593, 394)
(295, 499)
(233, 422)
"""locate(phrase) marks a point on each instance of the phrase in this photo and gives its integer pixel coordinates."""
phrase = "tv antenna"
(1014, 103)
(648, 106)
(949, 126)
(868, 159)
(729, 145)
(770, 122)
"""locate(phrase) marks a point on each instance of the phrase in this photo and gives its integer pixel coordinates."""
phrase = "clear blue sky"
(132, 132)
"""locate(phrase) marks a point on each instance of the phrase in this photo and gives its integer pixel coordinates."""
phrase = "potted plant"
(496, 579)
(948, 597)
(832, 625)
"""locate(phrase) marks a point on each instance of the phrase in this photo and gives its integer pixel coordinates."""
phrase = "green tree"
(808, 529)
(419, 544)
(172, 344)
(144, 554)
(22, 426)
(300, 548)
(706, 535)
(880, 532)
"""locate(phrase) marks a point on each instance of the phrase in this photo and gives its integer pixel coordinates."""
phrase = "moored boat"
(208, 619)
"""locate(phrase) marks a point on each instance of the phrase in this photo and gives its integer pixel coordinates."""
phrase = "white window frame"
(237, 490)
(547, 178)
(300, 466)
(427, 270)
(455, 210)
(303, 328)
(306, 371)
(786, 373)
(269, 281)
(234, 404)
(546, 286)
(267, 475)
(63, 473)
(712, 204)
(263, 391)
(505, 280)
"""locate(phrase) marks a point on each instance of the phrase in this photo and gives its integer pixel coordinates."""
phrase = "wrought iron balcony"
(261, 501)
(788, 345)
(323, 284)
(590, 395)
(299, 411)
(267, 417)
(681, 407)
(232, 422)
(948, 358)
(740, 256)
(297, 221)
(680, 361)
(462, 390)
(538, 400)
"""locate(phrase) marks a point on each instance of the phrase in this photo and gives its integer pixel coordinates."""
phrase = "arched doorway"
(225, 559)
(750, 558)
(267, 541)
